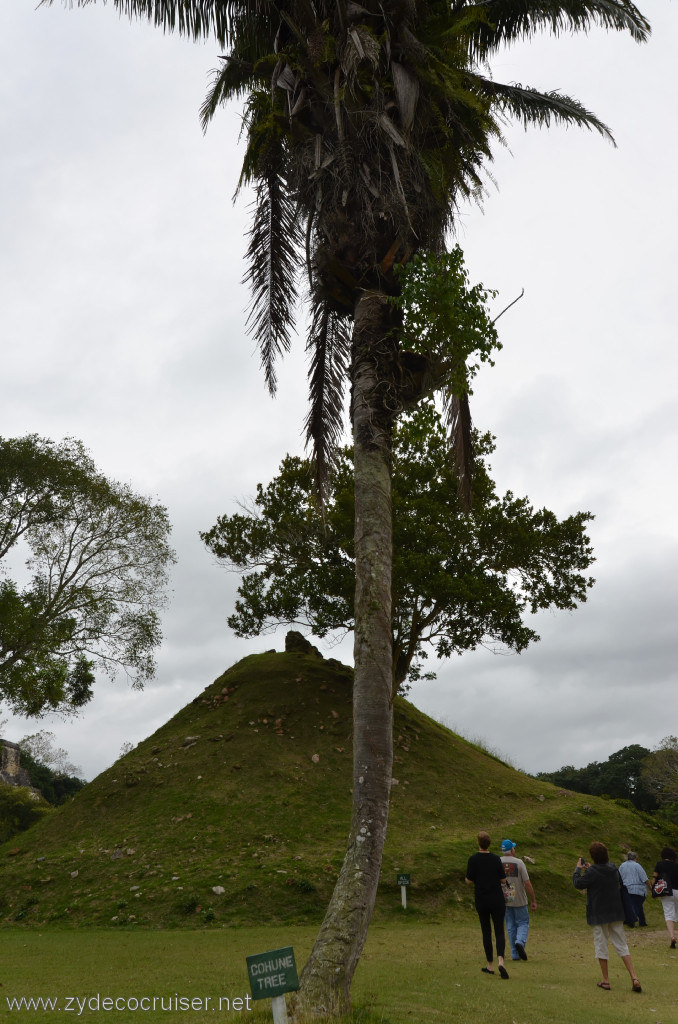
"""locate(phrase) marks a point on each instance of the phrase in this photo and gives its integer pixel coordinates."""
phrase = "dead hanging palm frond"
(458, 415)
(273, 260)
(329, 343)
(407, 89)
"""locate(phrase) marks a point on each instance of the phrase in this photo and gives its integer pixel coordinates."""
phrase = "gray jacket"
(603, 896)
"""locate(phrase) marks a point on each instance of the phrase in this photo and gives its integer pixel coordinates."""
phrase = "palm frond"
(458, 416)
(329, 342)
(197, 19)
(454, 131)
(235, 78)
(505, 21)
(541, 108)
(272, 267)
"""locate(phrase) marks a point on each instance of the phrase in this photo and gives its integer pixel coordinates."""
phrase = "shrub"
(19, 809)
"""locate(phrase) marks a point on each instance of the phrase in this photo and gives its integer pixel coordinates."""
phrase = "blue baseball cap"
(507, 844)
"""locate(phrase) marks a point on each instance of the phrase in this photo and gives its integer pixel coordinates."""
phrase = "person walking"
(668, 869)
(636, 881)
(485, 872)
(518, 888)
(604, 911)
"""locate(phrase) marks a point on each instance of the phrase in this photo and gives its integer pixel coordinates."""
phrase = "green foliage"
(55, 787)
(445, 317)
(41, 747)
(19, 809)
(621, 777)
(98, 558)
(659, 775)
(459, 579)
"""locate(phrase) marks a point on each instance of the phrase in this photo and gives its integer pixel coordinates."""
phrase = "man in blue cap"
(518, 888)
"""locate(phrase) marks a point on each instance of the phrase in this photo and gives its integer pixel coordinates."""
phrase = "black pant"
(492, 915)
(633, 908)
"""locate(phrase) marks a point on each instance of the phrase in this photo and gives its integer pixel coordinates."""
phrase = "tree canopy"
(460, 579)
(96, 561)
(621, 776)
(659, 775)
(41, 748)
(50, 771)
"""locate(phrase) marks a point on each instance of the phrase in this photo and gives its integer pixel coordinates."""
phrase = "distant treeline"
(646, 778)
(55, 787)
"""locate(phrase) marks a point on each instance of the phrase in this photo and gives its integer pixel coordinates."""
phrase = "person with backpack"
(666, 870)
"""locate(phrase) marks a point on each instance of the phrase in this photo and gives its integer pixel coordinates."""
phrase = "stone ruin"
(296, 643)
(11, 772)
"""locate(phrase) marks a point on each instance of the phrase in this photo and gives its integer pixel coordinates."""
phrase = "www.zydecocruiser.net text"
(98, 1003)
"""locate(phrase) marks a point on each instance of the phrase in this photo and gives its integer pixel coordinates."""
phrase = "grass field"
(148, 885)
(410, 972)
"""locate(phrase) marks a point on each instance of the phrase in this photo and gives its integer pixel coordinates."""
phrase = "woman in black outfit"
(668, 868)
(485, 871)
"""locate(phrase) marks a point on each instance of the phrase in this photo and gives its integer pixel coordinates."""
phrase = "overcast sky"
(122, 324)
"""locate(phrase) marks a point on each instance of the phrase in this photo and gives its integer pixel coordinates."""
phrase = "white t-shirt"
(516, 876)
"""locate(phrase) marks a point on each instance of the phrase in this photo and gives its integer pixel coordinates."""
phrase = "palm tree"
(368, 122)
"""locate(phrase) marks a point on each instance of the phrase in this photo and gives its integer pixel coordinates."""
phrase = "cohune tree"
(366, 127)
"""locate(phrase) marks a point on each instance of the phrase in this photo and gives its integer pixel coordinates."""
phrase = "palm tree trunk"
(326, 978)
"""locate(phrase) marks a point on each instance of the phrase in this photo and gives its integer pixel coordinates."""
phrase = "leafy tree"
(366, 126)
(98, 559)
(40, 747)
(55, 788)
(460, 578)
(50, 773)
(620, 777)
(569, 777)
(659, 773)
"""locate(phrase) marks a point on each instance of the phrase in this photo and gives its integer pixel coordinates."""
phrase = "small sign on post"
(403, 882)
(271, 975)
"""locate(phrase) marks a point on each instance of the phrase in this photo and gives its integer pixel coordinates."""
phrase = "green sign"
(403, 879)
(272, 974)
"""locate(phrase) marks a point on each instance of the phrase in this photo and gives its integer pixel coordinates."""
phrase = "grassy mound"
(236, 812)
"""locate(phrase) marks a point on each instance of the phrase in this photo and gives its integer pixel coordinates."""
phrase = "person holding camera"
(604, 910)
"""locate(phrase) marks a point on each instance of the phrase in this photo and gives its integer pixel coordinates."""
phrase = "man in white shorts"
(604, 910)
